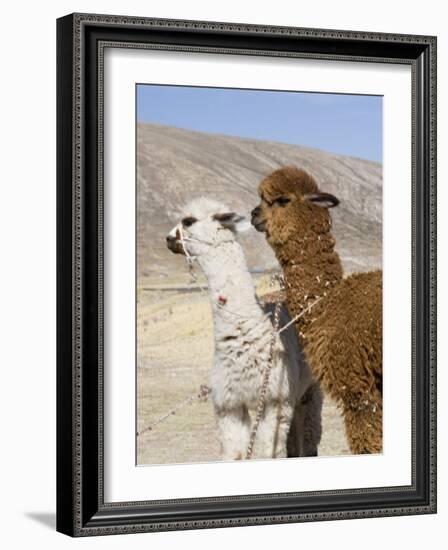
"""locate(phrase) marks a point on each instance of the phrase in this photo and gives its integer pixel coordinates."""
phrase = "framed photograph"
(246, 274)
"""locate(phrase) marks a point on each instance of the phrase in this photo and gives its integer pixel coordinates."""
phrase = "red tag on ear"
(222, 300)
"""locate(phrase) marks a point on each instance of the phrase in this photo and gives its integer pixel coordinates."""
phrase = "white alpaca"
(243, 332)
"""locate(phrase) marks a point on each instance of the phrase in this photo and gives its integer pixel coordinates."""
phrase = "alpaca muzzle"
(257, 220)
(174, 244)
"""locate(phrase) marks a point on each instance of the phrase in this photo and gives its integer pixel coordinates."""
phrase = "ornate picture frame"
(81, 506)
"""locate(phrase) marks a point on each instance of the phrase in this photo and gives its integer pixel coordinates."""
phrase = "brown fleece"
(342, 333)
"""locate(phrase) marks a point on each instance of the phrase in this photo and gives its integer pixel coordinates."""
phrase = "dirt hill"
(176, 165)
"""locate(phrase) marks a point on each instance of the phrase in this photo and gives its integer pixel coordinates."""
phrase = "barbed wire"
(202, 395)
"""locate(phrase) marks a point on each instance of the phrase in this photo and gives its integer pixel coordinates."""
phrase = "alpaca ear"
(325, 200)
(232, 221)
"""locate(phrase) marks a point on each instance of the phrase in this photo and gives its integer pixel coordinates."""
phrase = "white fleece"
(243, 332)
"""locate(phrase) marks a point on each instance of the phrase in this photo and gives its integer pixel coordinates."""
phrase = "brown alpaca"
(342, 332)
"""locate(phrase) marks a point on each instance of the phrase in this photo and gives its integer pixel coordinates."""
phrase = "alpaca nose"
(173, 244)
(255, 212)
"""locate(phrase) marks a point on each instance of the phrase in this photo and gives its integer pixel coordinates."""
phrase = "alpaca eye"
(187, 222)
(282, 201)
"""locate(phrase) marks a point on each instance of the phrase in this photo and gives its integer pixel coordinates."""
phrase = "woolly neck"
(230, 284)
(311, 268)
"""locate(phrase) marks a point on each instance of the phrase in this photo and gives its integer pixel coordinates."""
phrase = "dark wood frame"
(81, 39)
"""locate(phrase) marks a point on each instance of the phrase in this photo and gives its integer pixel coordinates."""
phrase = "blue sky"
(343, 124)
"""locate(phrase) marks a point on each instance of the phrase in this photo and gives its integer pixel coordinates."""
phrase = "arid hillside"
(175, 165)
